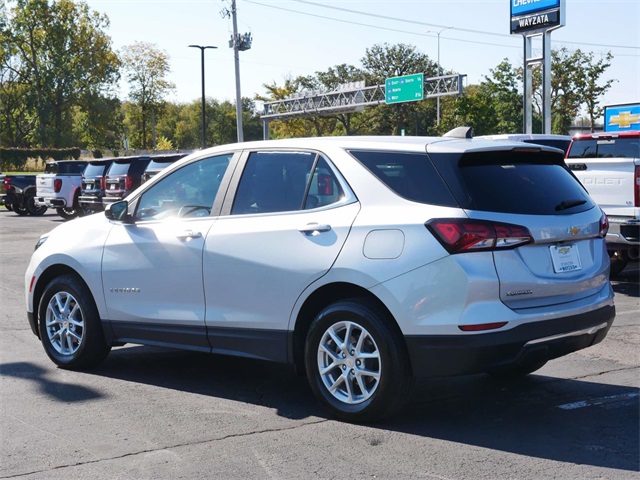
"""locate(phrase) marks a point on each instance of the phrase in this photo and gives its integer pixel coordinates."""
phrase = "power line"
(433, 25)
(377, 26)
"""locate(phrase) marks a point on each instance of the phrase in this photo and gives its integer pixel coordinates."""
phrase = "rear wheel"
(22, 211)
(67, 213)
(70, 327)
(356, 362)
(619, 260)
(32, 208)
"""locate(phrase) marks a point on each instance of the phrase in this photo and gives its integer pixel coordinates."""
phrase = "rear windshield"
(94, 170)
(157, 165)
(605, 148)
(530, 184)
(410, 175)
(66, 168)
(119, 168)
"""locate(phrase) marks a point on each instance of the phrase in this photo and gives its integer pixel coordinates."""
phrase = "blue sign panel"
(622, 118)
(523, 7)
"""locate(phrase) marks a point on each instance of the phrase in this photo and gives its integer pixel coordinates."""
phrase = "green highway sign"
(407, 88)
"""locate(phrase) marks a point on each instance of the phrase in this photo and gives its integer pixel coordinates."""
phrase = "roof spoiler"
(459, 132)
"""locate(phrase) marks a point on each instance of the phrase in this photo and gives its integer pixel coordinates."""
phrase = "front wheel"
(356, 362)
(70, 327)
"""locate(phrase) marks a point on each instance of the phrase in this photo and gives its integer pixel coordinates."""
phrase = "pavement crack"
(170, 447)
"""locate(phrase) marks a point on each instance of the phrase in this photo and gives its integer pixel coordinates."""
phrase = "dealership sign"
(534, 16)
(622, 118)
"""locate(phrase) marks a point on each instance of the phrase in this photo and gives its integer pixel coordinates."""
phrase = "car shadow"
(535, 416)
(63, 392)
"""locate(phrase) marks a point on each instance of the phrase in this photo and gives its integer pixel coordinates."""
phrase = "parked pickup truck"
(608, 165)
(17, 193)
(60, 186)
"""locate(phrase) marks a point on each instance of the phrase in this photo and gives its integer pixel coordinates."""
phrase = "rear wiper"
(563, 205)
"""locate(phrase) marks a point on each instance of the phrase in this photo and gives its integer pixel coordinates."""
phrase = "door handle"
(188, 235)
(313, 229)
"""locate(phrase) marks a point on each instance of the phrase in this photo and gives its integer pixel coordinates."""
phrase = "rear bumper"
(89, 201)
(107, 200)
(444, 355)
(51, 202)
(624, 231)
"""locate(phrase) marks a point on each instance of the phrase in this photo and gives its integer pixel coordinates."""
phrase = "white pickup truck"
(608, 165)
(59, 187)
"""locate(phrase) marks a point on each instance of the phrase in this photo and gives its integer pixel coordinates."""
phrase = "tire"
(517, 371)
(22, 211)
(70, 327)
(619, 260)
(32, 208)
(370, 373)
(67, 213)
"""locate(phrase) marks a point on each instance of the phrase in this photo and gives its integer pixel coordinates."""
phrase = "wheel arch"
(321, 298)
(43, 280)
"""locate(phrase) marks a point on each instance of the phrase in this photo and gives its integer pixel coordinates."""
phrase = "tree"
(383, 61)
(591, 87)
(61, 52)
(145, 69)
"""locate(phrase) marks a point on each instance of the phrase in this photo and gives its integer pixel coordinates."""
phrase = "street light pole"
(204, 123)
(438, 97)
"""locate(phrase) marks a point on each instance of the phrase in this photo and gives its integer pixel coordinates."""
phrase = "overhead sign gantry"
(354, 97)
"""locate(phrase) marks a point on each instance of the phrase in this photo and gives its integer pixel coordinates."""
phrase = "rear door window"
(285, 181)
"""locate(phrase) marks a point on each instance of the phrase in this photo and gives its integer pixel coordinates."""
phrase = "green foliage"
(163, 143)
(15, 159)
(145, 68)
(53, 56)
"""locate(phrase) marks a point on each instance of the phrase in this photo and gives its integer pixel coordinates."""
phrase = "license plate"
(565, 258)
(113, 186)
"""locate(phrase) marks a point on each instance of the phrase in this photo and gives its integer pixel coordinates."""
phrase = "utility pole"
(239, 43)
(438, 98)
(204, 122)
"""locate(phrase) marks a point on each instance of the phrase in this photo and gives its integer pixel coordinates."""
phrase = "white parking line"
(598, 401)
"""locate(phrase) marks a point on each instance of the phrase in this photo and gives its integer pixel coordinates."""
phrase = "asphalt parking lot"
(156, 413)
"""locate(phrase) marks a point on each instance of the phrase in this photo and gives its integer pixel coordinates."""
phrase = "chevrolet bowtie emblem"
(574, 230)
(624, 119)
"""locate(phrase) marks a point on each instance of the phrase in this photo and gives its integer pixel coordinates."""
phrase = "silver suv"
(362, 261)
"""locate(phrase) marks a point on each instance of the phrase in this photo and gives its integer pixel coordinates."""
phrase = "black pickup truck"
(18, 192)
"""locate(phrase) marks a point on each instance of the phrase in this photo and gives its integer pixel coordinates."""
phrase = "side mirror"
(118, 211)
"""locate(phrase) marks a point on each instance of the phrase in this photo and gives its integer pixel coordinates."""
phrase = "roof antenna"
(460, 132)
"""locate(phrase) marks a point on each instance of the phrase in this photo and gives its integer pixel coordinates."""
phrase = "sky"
(301, 37)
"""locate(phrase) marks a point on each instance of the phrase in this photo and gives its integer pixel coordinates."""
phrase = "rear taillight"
(637, 187)
(7, 183)
(128, 183)
(103, 182)
(460, 235)
(57, 185)
(604, 225)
